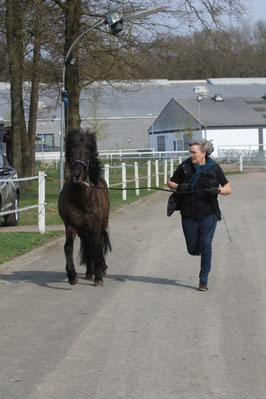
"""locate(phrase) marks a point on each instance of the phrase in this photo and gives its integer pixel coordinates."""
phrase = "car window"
(4, 162)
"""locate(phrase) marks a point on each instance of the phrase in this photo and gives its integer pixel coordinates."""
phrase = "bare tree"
(99, 55)
(102, 57)
(15, 13)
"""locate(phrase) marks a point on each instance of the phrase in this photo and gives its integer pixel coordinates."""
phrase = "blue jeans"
(199, 235)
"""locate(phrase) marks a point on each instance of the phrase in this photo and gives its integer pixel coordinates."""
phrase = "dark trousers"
(199, 235)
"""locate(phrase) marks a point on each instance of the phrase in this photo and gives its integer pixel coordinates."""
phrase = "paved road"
(148, 333)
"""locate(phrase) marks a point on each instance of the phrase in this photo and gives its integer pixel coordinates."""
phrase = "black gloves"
(213, 190)
(183, 187)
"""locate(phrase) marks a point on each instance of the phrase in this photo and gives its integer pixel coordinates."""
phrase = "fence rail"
(117, 154)
(41, 200)
(148, 176)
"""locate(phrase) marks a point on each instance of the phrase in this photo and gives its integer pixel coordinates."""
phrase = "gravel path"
(148, 333)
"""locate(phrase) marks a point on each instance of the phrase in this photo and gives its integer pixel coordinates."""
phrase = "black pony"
(84, 206)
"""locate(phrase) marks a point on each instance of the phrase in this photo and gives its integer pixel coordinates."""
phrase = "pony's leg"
(68, 247)
(100, 267)
(86, 257)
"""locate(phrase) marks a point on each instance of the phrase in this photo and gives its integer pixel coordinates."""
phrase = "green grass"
(16, 244)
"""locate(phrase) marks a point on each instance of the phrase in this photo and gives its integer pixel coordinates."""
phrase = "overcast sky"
(258, 10)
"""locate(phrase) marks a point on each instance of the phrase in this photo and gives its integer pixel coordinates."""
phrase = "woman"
(198, 181)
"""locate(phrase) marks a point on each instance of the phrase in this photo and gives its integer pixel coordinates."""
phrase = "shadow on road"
(150, 280)
(44, 279)
(41, 278)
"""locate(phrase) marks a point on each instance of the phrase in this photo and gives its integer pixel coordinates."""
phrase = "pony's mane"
(85, 138)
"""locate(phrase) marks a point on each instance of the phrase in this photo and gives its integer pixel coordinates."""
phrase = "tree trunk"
(34, 100)
(72, 31)
(15, 46)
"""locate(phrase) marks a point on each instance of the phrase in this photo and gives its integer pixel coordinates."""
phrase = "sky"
(258, 10)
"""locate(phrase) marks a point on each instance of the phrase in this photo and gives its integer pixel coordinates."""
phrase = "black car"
(9, 192)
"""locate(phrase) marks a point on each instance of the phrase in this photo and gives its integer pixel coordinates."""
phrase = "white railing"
(248, 151)
(47, 156)
(142, 154)
(117, 154)
(41, 200)
(148, 176)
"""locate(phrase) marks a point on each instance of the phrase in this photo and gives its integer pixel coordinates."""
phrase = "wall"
(113, 133)
(230, 137)
(122, 133)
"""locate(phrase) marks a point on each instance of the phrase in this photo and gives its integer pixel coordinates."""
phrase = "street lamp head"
(115, 22)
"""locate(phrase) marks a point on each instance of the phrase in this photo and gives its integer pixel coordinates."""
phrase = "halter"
(86, 165)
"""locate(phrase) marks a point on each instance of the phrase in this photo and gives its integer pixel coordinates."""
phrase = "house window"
(186, 142)
(161, 143)
(45, 142)
(174, 142)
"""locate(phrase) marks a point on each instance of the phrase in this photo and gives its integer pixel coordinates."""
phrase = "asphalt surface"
(148, 333)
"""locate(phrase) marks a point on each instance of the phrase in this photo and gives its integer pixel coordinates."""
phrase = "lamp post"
(201, 92)
(115, 22)
(199, 99)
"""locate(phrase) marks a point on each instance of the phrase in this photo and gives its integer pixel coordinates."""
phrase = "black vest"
(199, 204)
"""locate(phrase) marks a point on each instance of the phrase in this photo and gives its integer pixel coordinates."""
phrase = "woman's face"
(196, 155)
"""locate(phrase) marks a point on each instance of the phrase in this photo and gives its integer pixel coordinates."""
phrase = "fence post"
(171, 167)
(241, 162)
(179, 160)
(136, 167)
(41, 202)
(165, 172)
(124, 182)
(107, 174)
(149, 174)
(157, 173)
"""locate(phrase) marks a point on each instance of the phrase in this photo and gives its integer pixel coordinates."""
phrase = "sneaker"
(203, 286)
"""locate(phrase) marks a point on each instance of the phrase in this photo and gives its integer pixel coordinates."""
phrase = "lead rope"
(160, 189)
(226, 228)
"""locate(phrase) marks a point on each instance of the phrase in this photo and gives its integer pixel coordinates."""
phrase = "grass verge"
(16, 244)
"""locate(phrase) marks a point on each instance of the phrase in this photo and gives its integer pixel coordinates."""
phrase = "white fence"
(255, 153)
(41, 200)
(148, 177)
(117, 154)
(167, 171)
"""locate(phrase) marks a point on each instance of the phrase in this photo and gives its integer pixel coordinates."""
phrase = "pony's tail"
(86, 253)
(107, 244)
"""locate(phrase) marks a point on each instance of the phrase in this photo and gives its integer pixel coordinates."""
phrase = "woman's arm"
(226, 189)
(172, 185)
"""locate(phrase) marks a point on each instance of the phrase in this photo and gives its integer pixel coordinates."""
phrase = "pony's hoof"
(98, 283)
(73, 281)
(89, 276)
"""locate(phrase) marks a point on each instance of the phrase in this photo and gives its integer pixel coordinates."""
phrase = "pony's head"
(82, 156)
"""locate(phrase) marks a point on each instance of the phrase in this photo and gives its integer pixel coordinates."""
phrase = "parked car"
(9, 192)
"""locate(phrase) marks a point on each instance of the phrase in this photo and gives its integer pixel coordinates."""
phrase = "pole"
(41, 202)
(64, 98)
(141, 14)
